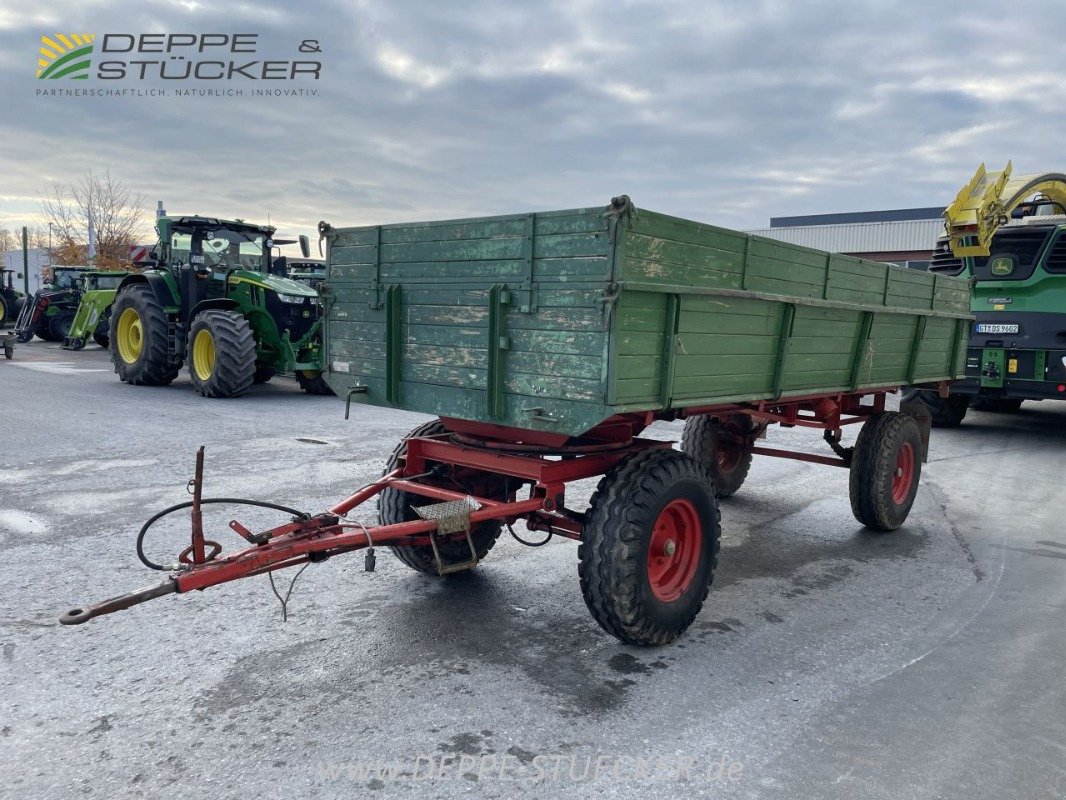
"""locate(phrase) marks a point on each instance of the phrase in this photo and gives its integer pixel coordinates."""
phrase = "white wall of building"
(37, 259)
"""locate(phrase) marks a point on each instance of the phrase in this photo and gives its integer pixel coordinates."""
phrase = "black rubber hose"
(233, 501)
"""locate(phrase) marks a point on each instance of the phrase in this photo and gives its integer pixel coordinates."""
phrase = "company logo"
(1001, 266)
(65, 55)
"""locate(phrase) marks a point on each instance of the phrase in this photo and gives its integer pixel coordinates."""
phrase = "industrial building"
(904, 236)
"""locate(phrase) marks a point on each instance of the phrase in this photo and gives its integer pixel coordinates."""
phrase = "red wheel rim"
(903, 477)
(674, 551)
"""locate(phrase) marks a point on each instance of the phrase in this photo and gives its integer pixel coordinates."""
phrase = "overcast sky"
(724, 112)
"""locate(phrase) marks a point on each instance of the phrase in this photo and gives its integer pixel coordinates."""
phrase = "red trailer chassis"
(440, 469)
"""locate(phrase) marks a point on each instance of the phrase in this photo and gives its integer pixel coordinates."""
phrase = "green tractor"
(212, 301)
(93, 316)
(49, 313)
(10, 300)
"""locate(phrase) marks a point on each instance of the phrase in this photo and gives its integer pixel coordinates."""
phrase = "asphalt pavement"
(828, 662)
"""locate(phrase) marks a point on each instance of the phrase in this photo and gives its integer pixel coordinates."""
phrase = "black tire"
(395, 506)
(59, 325)
(625, 521)
(884, 479)
(312, 382)
(9, 351)
(946, 412)
(997, 405)
(263, 374)
(44, 330)
(231, 370)
(6, 314)
(725, 461)
(152, 364)
(102, 334)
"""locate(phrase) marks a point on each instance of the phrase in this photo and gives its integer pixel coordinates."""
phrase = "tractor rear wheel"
(717, 445)
(396, 506)
(140, 348)
(6, 314)
(221, 353)
(312, 382)
(650, 547)
(885, 468)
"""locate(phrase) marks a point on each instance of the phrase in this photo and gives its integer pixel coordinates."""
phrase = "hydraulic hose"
(234, 501)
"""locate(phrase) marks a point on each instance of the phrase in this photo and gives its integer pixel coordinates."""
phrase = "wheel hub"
(674, 550)
(203, 354)
(903, 475)
(129, 336)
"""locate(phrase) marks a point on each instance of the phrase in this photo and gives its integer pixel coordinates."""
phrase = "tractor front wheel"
(221, 353)
(885, 468)
(997, 405)
(59, 325)
(396, 506)
(140, 348)
(103, 330)
(650, 547)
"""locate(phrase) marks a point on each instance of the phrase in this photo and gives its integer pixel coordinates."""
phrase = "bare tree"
(117, 213)
(8, 240)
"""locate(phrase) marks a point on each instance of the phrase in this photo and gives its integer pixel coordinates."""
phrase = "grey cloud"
(725, 112)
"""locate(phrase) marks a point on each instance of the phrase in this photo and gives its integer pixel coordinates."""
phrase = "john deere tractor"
(211, 301)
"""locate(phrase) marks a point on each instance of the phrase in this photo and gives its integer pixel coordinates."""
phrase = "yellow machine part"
(986, 202)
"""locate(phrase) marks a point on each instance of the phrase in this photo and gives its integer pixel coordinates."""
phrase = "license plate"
(996, 327)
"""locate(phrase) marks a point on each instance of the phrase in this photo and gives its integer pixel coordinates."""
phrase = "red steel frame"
(544, 462)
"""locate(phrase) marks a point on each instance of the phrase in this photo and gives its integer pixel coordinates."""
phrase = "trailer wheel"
(9, 351)
(221, 353)
(726, 461)
(885, 469)
(140, 340)
(650, 547)
(395, 506)
(946, 412)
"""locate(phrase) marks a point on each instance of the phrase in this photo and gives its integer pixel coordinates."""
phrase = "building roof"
(847, 217)
(862, 237)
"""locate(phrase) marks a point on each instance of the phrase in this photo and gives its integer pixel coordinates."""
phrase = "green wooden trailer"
(556, 321)
(544, 344)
